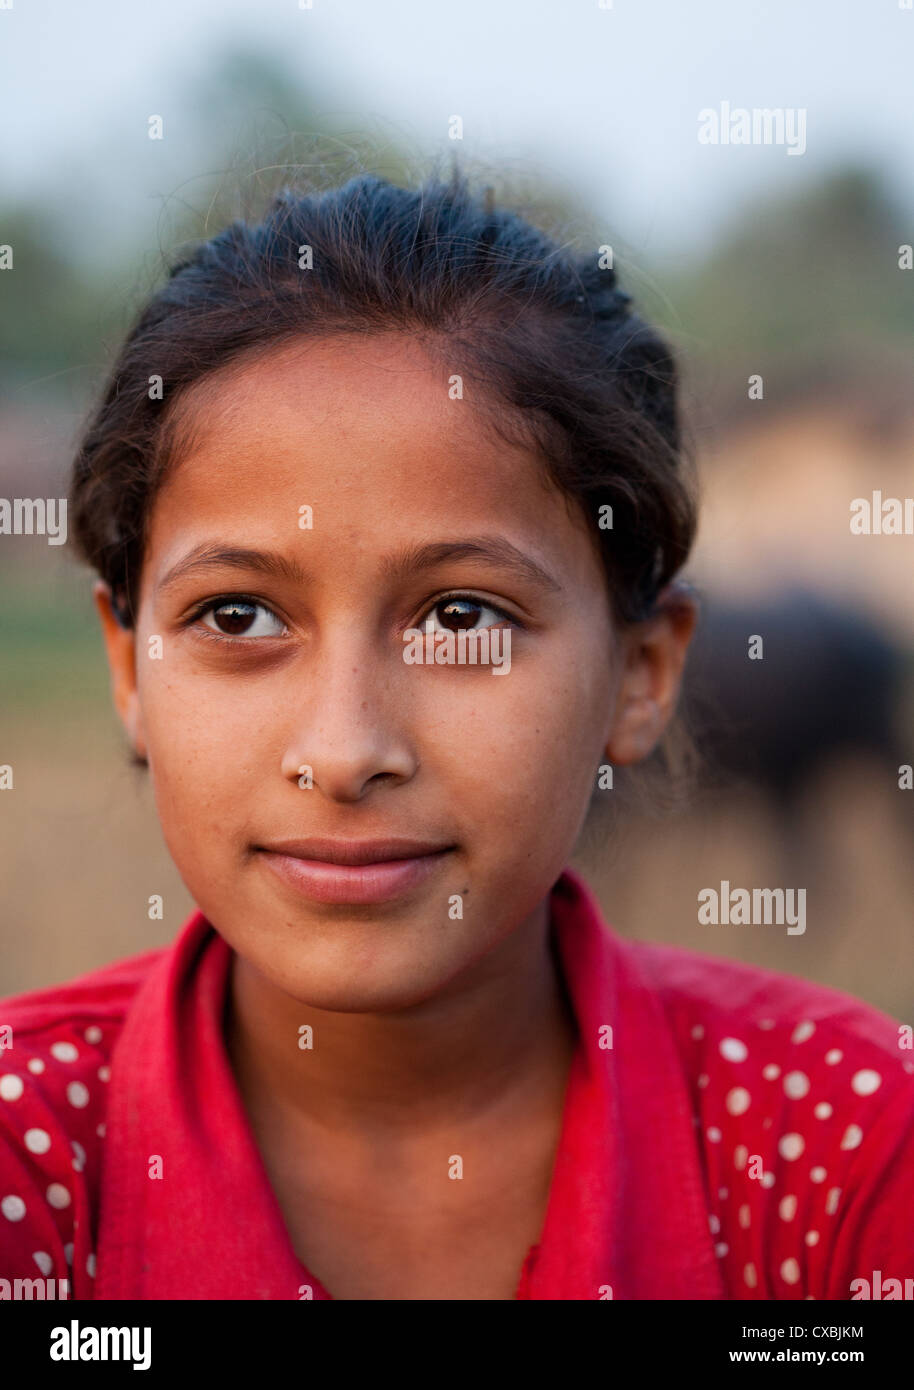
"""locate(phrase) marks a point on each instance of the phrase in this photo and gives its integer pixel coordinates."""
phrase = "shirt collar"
(187, 1209)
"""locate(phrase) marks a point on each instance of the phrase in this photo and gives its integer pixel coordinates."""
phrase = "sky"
(603, 101)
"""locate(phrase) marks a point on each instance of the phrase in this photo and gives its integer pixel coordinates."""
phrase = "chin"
(337, 992)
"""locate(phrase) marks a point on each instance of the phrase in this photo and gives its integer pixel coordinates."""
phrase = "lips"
(355, 851)
(353, 871)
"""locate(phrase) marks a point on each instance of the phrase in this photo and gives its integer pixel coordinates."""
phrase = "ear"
(120, 644)
(654, 653)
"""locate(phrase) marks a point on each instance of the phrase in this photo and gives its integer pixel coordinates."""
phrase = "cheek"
(522, 748)
(201, 747)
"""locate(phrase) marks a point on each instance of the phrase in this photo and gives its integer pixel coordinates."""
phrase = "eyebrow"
(411, 560)
(209, 556)
(495, 549)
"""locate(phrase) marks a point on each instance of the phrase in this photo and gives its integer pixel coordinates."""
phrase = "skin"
(432, 1035)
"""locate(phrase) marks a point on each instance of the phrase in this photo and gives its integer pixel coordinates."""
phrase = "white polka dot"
(721, 1250)
(714, 1224)
(733, 1050)
(787, 1208)
(78, 1094)
(740, 1156)
(766, 1023)
(811, 1237)
(771, 1072)
(36, 1066)
(790, 1271)
(100, 1130)
(713, 1134)
(43, 1261)
(737, 1100)
(703, 1080)
(93, 1034)
(104, 1073)
(57, 1195)
(13, 1208)
(79, 1162)
(723, 1193)
(11, 1087)
(68, 1252)
(766, 1123)
(852, 1136)
(790, 1146)
(796, 1084)
(749, 1276)
(64, 1051)
(823, 1110)
(698, 1032)
(90, 1266)
(37, 1141)
(768, 1180)
(745, 1216)
(831, 1201)
(802, 1031)
(864, 1083)
(908, 1066)
(818, 1175)
(833, 1056)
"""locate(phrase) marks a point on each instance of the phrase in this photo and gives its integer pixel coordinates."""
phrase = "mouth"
(353, 871)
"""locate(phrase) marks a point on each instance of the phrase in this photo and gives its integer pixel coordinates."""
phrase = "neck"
(497, 1040)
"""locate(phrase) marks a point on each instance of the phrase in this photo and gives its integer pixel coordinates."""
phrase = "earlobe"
(649, 689)
(636, 732)
(120, 645)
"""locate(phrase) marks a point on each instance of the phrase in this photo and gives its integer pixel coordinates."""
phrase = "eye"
(240, 617)
(462, 610)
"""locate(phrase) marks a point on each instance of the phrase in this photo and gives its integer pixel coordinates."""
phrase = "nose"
(350, 725)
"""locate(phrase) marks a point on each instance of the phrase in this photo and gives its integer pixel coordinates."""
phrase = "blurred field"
(851, 847)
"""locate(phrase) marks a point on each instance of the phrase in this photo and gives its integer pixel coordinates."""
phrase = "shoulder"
(56, 1048)
(803, 1099)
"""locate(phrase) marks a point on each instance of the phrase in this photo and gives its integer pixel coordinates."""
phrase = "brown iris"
(234, 618)
(456, 608)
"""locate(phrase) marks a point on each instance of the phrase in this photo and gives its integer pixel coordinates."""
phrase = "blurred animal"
(830, 682)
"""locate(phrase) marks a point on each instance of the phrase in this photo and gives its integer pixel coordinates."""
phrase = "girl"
(396, 1053)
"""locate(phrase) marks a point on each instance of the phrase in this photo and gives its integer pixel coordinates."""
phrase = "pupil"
(234, 617)
(455, 609)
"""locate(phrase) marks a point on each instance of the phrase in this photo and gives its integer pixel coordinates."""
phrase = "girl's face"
(265, 646)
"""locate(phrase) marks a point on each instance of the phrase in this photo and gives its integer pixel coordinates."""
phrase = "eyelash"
(220, 602)
(211, 604)
(457, 596)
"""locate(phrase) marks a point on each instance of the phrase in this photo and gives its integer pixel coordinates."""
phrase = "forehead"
(369, 433)
(358, 398)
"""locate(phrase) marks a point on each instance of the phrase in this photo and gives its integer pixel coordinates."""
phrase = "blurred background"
(584, 116)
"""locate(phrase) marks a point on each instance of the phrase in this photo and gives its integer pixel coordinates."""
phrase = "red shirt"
(728, 1133)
